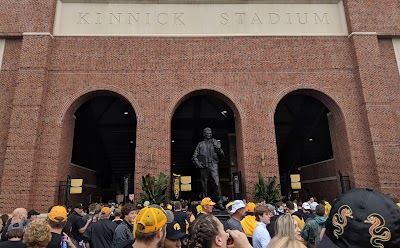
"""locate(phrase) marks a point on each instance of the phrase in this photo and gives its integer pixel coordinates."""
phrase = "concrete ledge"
(362, 33)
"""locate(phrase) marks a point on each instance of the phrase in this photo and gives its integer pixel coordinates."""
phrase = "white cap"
(306, 206)
(146, 203)
(238, 204)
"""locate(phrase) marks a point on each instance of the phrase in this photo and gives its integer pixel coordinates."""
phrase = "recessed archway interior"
(302, 135)
(188, 122)
(104, 141)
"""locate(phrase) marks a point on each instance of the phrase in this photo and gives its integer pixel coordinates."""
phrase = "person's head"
(19, 214)
(189, 211)
(262, 214)
(289, 207)
(129, 212)
(271, 209)
(238, 209)
(207, 232)
(57, 217)
(177, 206)
(320, 210)
(15, 234)
(207, 132)
(92, 208)
(373, 216)
(37, 235)
(306, 207)
(286, 226)
(33, 214)
(117, 213)
(14, 230)
(4, 219)
(105, 213)
(312, 199)
(150, 224)
(285, 242)
(250, 206)
(174, 235)
(207, 205)
(79, 208)
(299, 202)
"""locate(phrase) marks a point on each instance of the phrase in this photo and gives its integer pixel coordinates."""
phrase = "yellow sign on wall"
(186, 183)
(76, 186)
(75, 190)
(295, 180)
(76, 182)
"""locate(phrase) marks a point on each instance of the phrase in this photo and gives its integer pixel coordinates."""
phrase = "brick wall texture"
(45, 79)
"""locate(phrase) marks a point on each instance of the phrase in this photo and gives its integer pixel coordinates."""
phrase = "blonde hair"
(37, 235)
(284, 227)
(285, 242)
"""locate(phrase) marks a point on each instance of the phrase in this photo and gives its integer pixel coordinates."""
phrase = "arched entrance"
(306, 139)
(104, 147)
(190, 118)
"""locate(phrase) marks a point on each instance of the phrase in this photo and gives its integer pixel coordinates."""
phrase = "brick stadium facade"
(45, 78)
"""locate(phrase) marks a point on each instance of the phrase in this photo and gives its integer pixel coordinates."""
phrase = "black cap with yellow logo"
(174, 231)
(362, 218)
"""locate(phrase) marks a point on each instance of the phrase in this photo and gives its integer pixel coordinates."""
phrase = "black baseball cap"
(174, 231)
(79, 205)
(362, 218)
(32, 212)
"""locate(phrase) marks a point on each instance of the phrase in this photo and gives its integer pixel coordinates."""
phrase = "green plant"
(154, 191)
(268, 191)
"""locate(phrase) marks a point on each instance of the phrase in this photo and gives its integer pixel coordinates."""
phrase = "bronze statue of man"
(206, 157)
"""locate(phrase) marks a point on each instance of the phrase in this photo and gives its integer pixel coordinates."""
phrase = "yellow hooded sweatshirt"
(249, 224)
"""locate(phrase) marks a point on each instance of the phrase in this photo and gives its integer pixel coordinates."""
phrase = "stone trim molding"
(37, 34)
(362, 33)
(2, 46)
(200, 18)
(206, 1)
(396, 47)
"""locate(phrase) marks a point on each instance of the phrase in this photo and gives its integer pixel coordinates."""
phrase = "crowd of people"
(359, 218)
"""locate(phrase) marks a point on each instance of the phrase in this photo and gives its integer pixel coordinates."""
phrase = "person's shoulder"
(12, 244)
(126, 243)
(121, 226)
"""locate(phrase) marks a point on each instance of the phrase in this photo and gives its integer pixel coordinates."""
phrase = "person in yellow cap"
(207, 206)
(150, 228)
(249, 221)
(101, 233)
(229, 206)
(57, 219)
